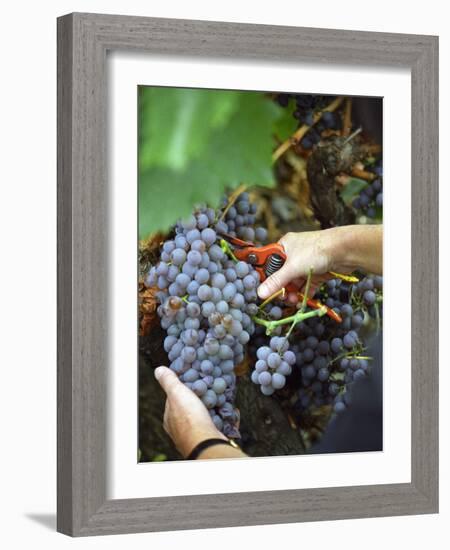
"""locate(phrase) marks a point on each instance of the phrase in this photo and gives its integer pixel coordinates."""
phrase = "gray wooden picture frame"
(83, 41)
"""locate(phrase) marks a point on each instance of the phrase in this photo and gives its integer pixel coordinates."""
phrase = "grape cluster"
(325, 357)
(206, 302)
(368, 294)
(239, 220)
(330, 355)
(305, 107)
(370, 197)
(273, 365)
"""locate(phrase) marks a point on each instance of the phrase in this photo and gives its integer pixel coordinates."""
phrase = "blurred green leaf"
(176, 123)
(286, 124)
(159, 458)
(239, 152)
(352, 189)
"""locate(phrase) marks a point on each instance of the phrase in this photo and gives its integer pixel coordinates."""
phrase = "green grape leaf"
(237, 153)
(286, 124)
(176, 123)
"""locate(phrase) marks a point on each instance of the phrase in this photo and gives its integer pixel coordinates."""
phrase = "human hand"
(186, 419)
(304, 251)
(340, 249)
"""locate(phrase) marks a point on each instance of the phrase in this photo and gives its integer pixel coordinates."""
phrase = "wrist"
(197, 436)
(357, 247)
(331, 247)
(338, 248)
(231, 450)
(211, 444)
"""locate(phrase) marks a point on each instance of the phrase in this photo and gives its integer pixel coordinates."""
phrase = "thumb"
(167, 379)
(277, 281)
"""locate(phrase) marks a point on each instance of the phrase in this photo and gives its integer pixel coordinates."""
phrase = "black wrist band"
(205, 445)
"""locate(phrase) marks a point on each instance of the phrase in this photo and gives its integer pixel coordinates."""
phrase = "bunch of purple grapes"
(206, 303)
(331, 356)
(306, 105)
(322, 357)
(274, 364)
(370, 197)
(239, 220)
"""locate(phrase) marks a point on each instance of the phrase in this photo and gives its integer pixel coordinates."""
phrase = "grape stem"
(307, 287)
(232, 199)
(298, 135)
(347, 118)
(225, 246)
(377, 316)
(304, 303)
(353, 353)
(280, 292)
(352, 136)
(363, 174)
(294, 319)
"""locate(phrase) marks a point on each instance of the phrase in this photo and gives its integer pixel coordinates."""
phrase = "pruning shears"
(270, 258)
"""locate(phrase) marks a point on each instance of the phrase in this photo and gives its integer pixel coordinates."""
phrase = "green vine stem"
(278, 293)
(294, 319)
(353, 353)
(225, 246)
(308, 285)
(377, 315)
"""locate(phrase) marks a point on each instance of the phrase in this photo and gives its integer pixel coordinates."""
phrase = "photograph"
(260, 290)
(237, 336)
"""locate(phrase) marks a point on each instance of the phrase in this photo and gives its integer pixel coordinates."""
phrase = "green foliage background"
(195, 143)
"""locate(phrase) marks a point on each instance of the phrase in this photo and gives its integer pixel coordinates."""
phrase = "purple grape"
(206, 366)
(199, 387)
(336, 345)
(349, 341)
(193, 235)
(263, 353)
(194, 257)
(188, 354)
(284, 369)
(209, 399)
(229, 292)
(369, 297)
(202, 221)
(216, 253)
(261, 234)
(267, 390)
(208, 235)
(242, 269)
(178, 256)
(212, 346)
(274, 360)
(278, 381)
(264, 378)
(218, 280)
(204, 293)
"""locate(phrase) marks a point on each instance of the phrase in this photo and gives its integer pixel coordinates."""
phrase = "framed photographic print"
(255, 209)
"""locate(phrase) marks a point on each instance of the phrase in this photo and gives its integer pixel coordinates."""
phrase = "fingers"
(277, 281)
(167, 379)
